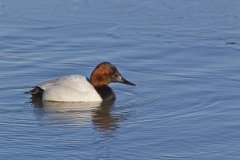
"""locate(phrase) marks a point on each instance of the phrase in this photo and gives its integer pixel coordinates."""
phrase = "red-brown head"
(106, 73)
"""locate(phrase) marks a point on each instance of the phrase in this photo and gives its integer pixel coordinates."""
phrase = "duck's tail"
(37, 92)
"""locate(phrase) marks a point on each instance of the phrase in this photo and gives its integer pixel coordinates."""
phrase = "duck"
(78, 88)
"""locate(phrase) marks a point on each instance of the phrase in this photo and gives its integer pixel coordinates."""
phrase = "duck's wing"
(72, 88)
(39, 89)
(51, 82)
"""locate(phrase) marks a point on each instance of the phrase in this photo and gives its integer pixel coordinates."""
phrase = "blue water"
(183, 56)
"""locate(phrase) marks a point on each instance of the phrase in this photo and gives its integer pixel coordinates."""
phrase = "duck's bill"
(120, 79)
(128, 83)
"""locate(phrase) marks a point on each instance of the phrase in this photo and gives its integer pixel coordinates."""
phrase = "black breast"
(106, 93)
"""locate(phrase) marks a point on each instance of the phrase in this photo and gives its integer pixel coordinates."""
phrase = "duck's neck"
(106, 93)
(98, 81)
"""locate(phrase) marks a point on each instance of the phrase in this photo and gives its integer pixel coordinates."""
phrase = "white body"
(73, 88)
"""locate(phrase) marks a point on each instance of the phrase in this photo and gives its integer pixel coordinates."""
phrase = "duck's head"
(106, 73)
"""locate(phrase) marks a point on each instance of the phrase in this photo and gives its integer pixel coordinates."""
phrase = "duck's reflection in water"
(102, 117)
(100, 113)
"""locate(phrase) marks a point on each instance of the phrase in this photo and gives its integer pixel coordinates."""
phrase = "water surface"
(183, 56)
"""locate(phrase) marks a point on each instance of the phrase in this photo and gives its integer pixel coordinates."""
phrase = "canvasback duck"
(77, 88)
